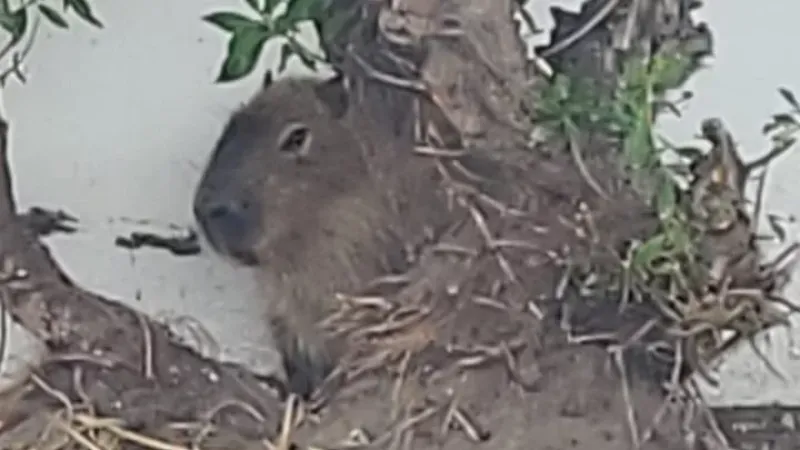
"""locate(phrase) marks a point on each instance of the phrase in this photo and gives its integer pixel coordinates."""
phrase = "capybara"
(321, 198)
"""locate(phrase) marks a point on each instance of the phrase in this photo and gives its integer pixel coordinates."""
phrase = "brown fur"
(324, 219)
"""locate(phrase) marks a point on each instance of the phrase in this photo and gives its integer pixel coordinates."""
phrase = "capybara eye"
(295, 140)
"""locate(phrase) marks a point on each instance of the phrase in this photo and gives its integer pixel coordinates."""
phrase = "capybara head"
(281, 161)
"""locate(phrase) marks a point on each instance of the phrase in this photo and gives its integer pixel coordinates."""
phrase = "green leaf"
(53, 16)
(679, 236)
(790, 98)
(667, 199)
(293, 48)
(661, 265)
(300, 10)
(784, 119)
(269, 6)
(254, 5)
(332, 26)
(232, 22)
(769, 127)
(648, 252)
(83, 10)
(244, 48)
(15, 23)
(669, 72)
(638, 145)
(297, 11)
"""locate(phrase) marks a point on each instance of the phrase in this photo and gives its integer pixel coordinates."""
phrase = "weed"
(628, 114)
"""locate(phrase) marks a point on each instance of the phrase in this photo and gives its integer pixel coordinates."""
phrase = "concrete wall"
(115, 125)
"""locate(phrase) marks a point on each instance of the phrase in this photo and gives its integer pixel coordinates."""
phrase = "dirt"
(573, 403)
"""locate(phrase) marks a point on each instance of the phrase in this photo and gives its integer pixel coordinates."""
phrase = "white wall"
(118, 123)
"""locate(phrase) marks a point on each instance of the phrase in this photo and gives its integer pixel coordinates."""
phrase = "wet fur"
(329, 220)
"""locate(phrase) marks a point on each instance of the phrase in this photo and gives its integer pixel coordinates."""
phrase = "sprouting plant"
(567, 105)
(629, 114)
(573, 102)
(642, 90)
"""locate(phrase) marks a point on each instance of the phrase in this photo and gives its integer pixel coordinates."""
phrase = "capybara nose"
(226, 217)
(228, 225)
(222, 211)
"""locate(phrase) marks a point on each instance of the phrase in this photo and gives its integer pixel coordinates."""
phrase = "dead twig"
(575, 151)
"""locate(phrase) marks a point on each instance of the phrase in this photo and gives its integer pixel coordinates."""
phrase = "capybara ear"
(333, 93)
(267, 80)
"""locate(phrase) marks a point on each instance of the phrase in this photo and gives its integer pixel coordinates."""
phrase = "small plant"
(269, 19)
(568, 105)
(638, 99)
(680, 269)
(629, 114)
(23, 20)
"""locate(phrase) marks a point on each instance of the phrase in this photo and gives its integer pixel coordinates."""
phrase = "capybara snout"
(228, 224)
(226, 209)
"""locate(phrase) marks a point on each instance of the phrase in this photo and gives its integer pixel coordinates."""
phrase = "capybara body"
(321, 199)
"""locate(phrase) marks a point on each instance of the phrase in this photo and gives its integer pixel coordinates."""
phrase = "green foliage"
(628, 114)
(783, 127)
(572, 103)
(53, 16)
(21, 21)
(247, 34)
(671, 251)
(82, 9)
